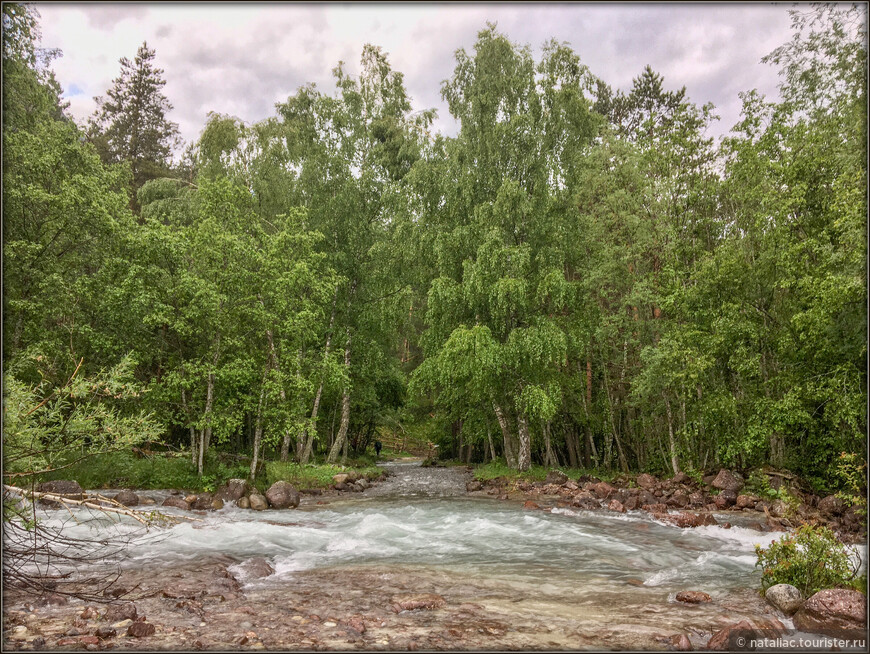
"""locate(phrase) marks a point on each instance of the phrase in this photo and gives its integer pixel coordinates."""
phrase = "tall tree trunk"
(506, 434)
(524, 458)
(570, 444)
(193, 457)
(615, 432)
(491, 444)
(205, 432)
(345, 409)
(675, 464)
(258, 427)
(549, 457)
(307, 438)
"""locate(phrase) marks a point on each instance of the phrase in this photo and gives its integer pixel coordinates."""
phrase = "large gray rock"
(282, 495)
(834, 612)
(256, 568)
(258, 502)
(233, 490)
(727, 480)
(785, 597)
(127, 498)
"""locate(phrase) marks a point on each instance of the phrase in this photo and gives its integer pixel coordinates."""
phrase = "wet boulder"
(258, 502)
(217, 504)
(255, 568)
(616, 505)
(282, 495)
(531, 506)
(632, 503)
(737, 636)
(176, 502)
(727, 480)
(784, 597)
(686, 519)
(233, 490)
(586, 501)
(697, 499)
(835, 612)
(680, 643)
(693, 597)
(746, 502)
(127, 498)
(201, 502)
(473, 486)
(556, 477)
(243, 503)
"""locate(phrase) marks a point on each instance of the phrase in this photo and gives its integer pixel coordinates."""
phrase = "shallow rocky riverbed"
(414, 562)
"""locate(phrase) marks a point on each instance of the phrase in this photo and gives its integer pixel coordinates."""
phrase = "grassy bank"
(498, 468)
(174, 470)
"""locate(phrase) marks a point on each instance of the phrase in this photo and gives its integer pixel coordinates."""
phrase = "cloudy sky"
(241, 59)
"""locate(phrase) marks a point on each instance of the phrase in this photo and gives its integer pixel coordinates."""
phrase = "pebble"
(329, 624)
(19, 633)
(123, 624)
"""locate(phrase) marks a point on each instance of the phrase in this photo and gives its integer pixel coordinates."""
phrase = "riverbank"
(682, 500)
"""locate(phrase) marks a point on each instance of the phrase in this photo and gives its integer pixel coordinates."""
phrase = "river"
(509, 578)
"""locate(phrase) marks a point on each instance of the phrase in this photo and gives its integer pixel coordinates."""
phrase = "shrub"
(811, 559)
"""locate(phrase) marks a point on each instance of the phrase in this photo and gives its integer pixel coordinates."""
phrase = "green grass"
(125, 470)
(316, 475)
(498, 468)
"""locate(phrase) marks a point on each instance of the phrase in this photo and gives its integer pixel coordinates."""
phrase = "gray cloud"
(241, 59)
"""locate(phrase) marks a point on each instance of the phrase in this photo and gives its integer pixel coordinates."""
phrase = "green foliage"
(314, 475)
(851, 471)
(810, 559)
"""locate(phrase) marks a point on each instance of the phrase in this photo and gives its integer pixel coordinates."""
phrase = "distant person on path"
(378, 447)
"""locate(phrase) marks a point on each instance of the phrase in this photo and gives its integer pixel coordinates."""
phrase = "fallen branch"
(146, 519)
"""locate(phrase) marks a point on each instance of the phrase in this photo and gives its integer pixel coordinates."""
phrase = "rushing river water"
(576, 575)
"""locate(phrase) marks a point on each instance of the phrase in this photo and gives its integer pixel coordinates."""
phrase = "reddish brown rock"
(528, 504)
(687, 519)
(746, 502)
(693, 597)
(473, 486)
(603, 490)
(616, 505)
(679, 500)
(834, 612)
(680, 643)
(118, 612)
(655, 508)
(417, 601)
(141, 629)
(730, 637)
(646, 481)
(177, 502)
(727, 480)
(725, 499)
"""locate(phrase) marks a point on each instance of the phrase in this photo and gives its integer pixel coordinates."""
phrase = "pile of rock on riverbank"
(681, 500)
(280, 495)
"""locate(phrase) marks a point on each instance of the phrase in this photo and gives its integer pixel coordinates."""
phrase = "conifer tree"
(131, 124)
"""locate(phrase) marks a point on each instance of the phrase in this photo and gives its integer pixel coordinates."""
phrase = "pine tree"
(131, 124)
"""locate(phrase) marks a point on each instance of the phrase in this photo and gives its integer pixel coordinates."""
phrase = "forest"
(582, 277)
